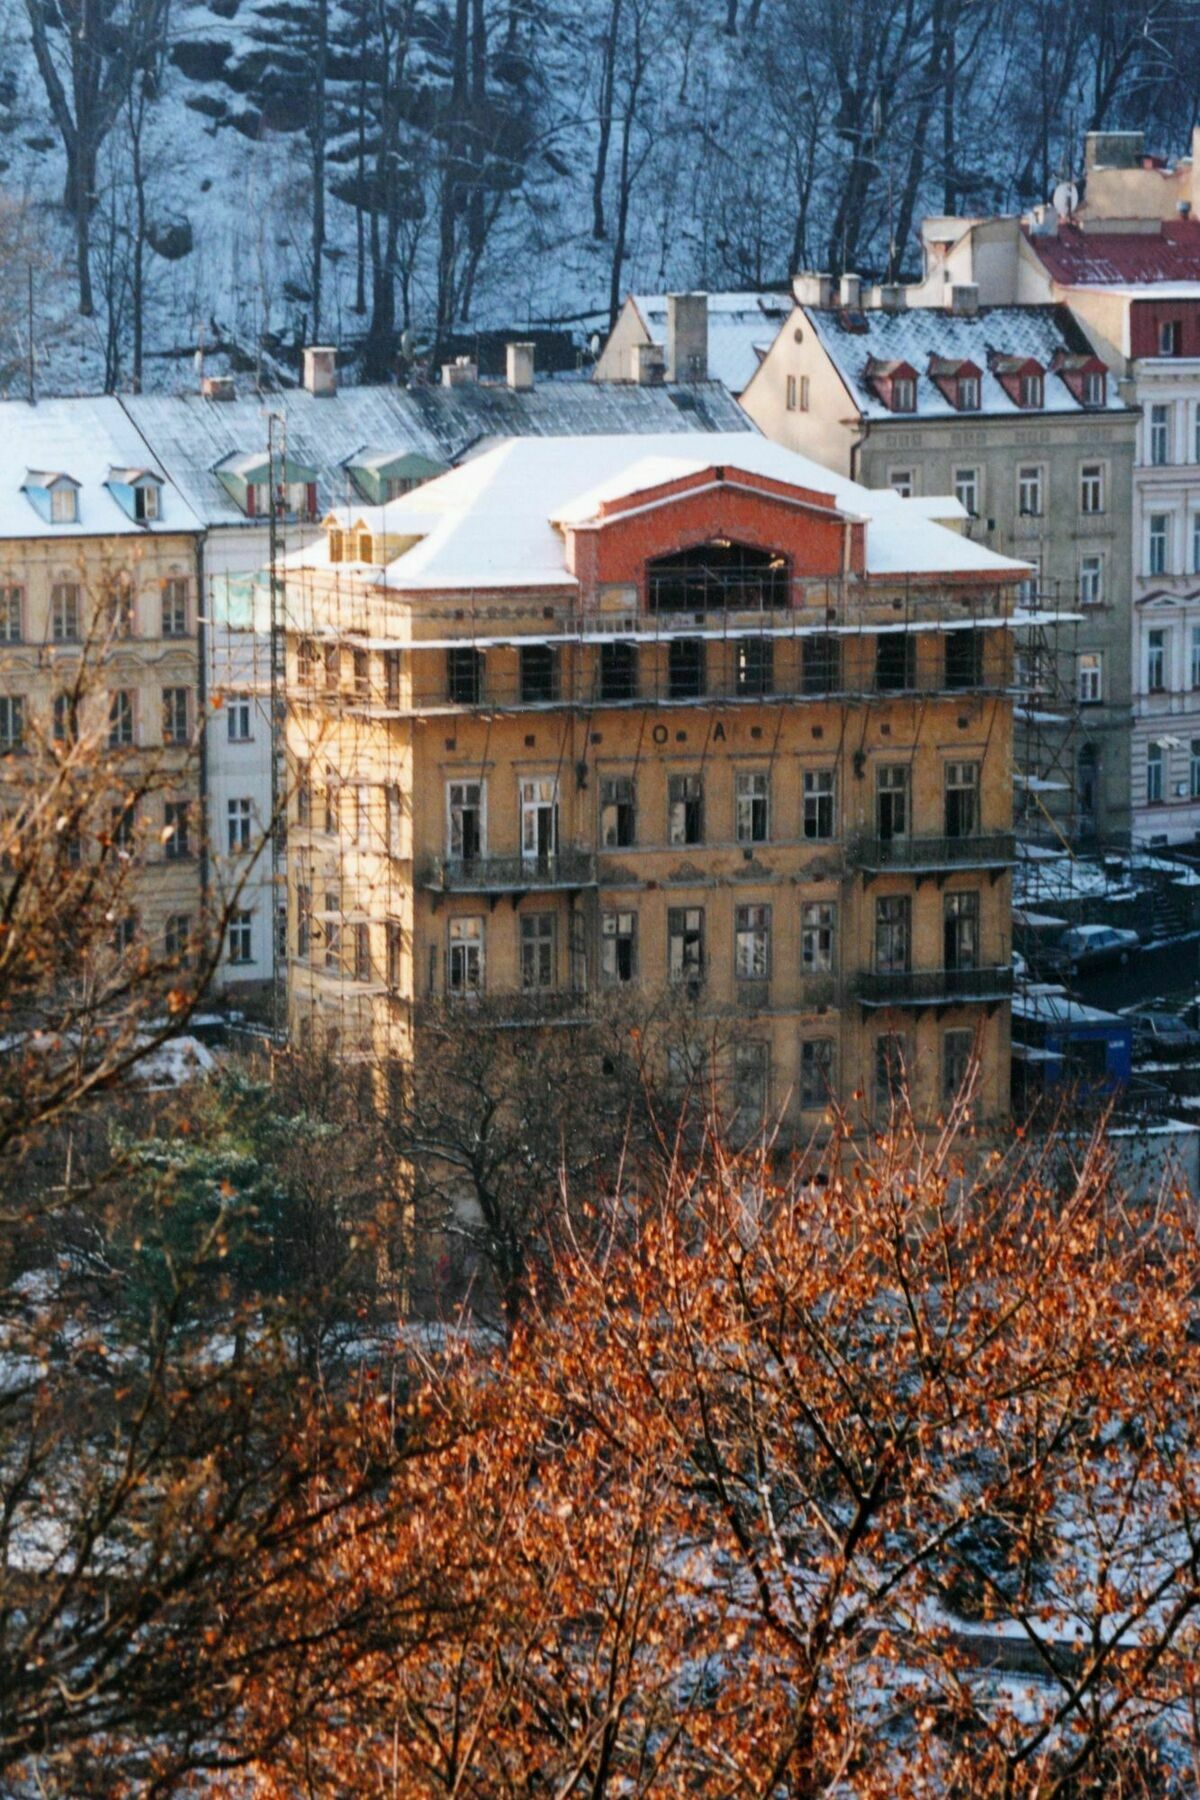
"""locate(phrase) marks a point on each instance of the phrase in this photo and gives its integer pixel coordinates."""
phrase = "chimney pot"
(964, 299)
(891, 296)
(850, 292)
(459, 373)
(809, 289)
(320, 369)
(519, 365)
(649, 364)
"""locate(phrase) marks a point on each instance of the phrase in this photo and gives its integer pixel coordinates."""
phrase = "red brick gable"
(633, 529)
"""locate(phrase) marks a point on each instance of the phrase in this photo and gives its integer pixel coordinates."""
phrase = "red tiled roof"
(1087, 258)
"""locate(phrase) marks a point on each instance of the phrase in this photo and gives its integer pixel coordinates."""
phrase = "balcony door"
(539, 821)
(960, 932)
(891, 803)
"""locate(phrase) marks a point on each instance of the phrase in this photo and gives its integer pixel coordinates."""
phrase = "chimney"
(687, 337)
(649, 364)
(850, 292)
(519, 366)
(320, 369)
(218, 387)
(964, 299)
(460, 373)
(891, 297)
(809, 289)
(1112, 150)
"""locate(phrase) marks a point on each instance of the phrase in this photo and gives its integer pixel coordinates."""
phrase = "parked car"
(1164, 1035)
(1094, 946)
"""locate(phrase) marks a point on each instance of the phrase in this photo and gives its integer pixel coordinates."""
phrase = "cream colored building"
(98, 561)
(660, 717)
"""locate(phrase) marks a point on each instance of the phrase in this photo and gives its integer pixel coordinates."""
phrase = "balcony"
(566, 869)
(933, 987)
(922, 855)
(505, 1011)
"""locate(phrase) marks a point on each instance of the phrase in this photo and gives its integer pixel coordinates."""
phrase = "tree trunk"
(605, 112)
(320, 66)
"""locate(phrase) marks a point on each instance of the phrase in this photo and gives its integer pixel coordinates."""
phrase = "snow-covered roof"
(491, 522)
(192, 435)
(916, 334)
(90, 442)
(741, 329)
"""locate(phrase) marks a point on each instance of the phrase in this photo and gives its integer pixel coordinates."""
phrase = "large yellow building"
(98, 567)
(692, 717)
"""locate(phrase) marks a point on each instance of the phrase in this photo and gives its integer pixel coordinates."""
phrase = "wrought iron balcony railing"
(567, 868)
(985, 850)
(932, 987)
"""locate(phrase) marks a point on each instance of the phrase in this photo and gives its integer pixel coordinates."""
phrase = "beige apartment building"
(684, 717)
(1009, 409)
(99, 560)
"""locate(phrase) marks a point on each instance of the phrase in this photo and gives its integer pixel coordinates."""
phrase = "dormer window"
(249, 480)
(337, 545)
(383, 475)
(1168, 337)
(968, 393)
(1095, 388)
(894, 382)
(366, 547)
(1083, 374)
(147, 501)
(64, 503)
(904, 394)
(958, 380)
(1032, 392)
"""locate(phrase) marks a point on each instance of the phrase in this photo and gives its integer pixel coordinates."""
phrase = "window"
(280, 946)
(146, 501)
(393, 940)
(964, 659)
(361, 799)
(303, 920)
(64, 504)
(1194, 784)
(818, 804)
(904, 394)
(893, 933)
(304, 794)
(1154, 775)
(306, 660)
(618, 948)
(175, 607)
(332, 657)
(891, 801)
(120, 719)
(686, 678)
(1160, 434)
(64, 612)
(361, 940)
(754, 665)
(337, 544)
(333, 804)
(962, 799)
(891, 1070)
(968, 393)
(792, 394)
(1030, 491)
(65, 719)
(818, 923)
(11, 603)
(960, 931)
(12, 721)
(118, 607)
(1156, 662)
(237, 819)
(749, 1086)
(539, 674)
(175, 830)
(465, 956)
(464, 675)
(822, 665)
(958, 1047)
(125, 933)
(175, 715)
(752, 943)
(1195, 643)
(1030, 585)
(618, 812)
(1168, 337)
(362, 674)
(465, 819)
(816, 1071)
(1091, 580)
(537, 952)
(1091, 488)
(241, 937)
(177, 938)
(539, 821)
(123, 822)
(1159, 525)
(331, 928)
(1091, 678)
(1031, 389)
(966, 490)
(752, 805)
(685, 943)
(685, 809)
(1095, 388)
(895, 661)
(618, 671)
(391, 677)
(393, 817)
(237, 719)
(901, 482)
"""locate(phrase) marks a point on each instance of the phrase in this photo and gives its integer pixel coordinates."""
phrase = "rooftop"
(914, 335)
(192, 434)
(490, 522)
(1098, 258)
(91, 442)
(741, 329)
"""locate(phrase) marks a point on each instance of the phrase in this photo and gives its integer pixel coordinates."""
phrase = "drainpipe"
(856, 445)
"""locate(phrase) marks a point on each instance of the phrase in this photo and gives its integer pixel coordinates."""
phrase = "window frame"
(685, 809)
(819, 805)
(1031, 490)
(752, 941)
(621, 932)
(752, 806)
(1092, 486)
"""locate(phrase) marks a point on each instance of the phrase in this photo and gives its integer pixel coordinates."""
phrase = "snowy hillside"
(268, 170)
